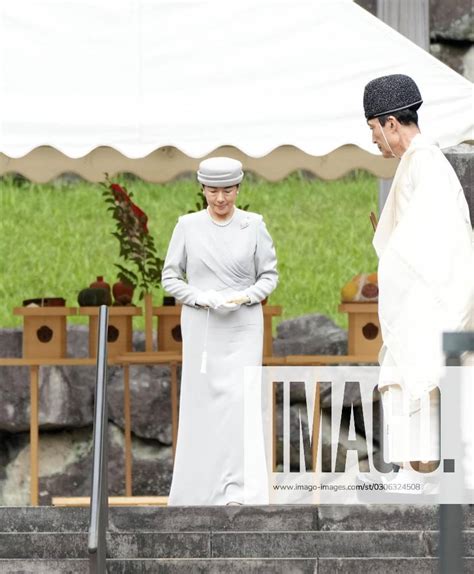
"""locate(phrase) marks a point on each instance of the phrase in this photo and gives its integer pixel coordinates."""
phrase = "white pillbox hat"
(220, 172)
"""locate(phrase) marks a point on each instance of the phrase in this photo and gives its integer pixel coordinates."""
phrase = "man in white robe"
(426, 266)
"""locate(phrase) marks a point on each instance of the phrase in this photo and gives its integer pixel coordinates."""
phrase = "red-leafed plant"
(136, 244)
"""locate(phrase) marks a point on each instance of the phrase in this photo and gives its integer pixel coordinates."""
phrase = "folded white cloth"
(238, 298)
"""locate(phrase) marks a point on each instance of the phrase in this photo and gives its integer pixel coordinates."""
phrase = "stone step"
(330, 544)
(232, 518)
(235, 566)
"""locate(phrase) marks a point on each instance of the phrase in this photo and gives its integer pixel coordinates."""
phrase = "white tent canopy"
(152, 86)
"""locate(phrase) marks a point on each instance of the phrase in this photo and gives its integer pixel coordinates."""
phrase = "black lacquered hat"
(389, 94)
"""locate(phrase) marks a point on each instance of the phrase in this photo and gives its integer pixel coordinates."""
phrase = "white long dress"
(235, 257)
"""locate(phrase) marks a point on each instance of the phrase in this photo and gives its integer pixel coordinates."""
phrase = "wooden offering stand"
(169, 327)
(365, 338)
(269, 311)
(119, 333)
(44, 331)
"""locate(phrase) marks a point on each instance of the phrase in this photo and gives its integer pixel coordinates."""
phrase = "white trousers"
(411, 426)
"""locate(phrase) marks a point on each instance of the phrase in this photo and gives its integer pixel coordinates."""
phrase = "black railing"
(99, 496)
(451, 548)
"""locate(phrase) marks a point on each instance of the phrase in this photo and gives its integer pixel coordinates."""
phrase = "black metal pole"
(99, 496)
(451, 547)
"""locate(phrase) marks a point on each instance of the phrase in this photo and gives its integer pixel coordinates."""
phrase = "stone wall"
(451, 32)
(65, 418)
(67, 407)
(461, 157)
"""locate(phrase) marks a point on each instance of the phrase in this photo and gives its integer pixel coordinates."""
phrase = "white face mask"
(388, 145)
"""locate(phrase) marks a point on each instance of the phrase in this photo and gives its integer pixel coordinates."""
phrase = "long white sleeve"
(265, 267)
(173, 277)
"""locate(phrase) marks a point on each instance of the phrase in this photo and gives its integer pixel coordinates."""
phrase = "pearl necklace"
(224, 223)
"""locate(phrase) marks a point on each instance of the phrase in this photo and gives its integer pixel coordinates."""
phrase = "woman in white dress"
(220, 264)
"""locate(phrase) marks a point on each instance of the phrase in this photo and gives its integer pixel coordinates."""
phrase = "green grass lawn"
(56, 238)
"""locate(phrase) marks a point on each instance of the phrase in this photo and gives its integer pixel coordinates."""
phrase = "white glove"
(210, 298)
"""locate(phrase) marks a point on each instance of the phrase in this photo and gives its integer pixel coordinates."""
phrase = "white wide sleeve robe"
(238, 257)
(426, 267)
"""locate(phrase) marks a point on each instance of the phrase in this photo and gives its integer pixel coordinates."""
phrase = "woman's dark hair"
(237, 185)
(405, 117)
